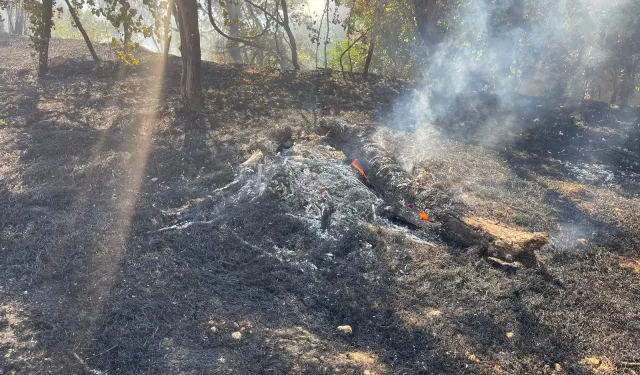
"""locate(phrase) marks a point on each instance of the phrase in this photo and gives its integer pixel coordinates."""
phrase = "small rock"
(345, 330)
(473, 358)
(236, 335)
(557, 367)
(253, 159)
(633, 265)
(591, 361)
(213, 329)
(154, 179)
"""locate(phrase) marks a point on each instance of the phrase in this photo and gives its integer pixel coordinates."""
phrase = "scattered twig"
(80, 360)
(183, 225)
(623, 152)
(630, 364)
(104, 352)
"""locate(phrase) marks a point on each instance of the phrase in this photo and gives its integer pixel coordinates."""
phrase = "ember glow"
(355, 164)
(424, 216)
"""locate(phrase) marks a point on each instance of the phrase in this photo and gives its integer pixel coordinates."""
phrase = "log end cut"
(508, 242)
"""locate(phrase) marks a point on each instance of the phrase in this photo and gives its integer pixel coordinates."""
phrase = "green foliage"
(135, 17)
(97, 29)
(398, 50)
(353, 59)
(126, 14)
(125, 52)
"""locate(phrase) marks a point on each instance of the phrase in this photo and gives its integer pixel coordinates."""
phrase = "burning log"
(512, 245)
(423, 216)
(408, 215)
(357, 166)
(384, 175)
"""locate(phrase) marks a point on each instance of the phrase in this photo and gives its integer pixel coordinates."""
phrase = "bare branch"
(238, 40)
(349, 49)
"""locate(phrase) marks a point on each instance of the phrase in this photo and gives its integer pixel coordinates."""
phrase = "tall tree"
(78, 24)
(234, 12)
(187, 19)
(374, 35)
(276, 16)
(287, 28)
(47, 23)
(166, 29)
(41, 17)
(3, 6)
(16, 16)
(429, 13)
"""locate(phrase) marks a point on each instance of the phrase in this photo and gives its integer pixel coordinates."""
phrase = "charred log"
(391, 182)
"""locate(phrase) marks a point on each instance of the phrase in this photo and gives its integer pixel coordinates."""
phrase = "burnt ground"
(96, 277)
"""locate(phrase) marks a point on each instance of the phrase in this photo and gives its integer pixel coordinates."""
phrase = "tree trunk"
(167, 32)
(17, 24)
(234, 12)
(25, 26)
(187, 17)
(428, 13)
(374, 35)
(76, 19)
(20, 24)
(43, 47)
(326, 38)
(372, 46)
(126, 27)
(12, 29)
(627, 86)
(292, 39)
(599, 92)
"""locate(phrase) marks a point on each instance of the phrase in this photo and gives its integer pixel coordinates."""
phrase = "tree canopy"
(577, 48)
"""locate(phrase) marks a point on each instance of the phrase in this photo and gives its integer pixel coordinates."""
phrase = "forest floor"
(97, 278)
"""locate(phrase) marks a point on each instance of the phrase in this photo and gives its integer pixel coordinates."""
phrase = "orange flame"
(355, 164)
(424, 216)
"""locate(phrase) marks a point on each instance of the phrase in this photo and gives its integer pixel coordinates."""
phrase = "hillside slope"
(138, 239)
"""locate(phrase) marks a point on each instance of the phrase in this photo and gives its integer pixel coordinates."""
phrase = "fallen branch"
(616, 150)
(630, 364)
(508, 266)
